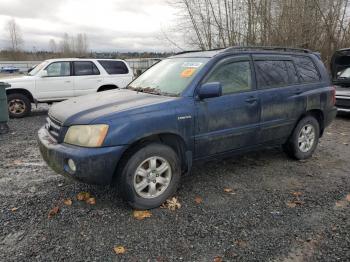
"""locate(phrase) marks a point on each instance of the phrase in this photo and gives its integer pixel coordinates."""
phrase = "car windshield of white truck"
(168, 77)
(38, 68)
(345, 74)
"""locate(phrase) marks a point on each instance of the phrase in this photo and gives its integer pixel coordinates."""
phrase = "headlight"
(86, 136)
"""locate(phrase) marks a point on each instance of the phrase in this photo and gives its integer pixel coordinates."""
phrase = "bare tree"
(15, 37)
(81, 45)
(321, 25)
(74, 46)
(65, 45)
(53, 46)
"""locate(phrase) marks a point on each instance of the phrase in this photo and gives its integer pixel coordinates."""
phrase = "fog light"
(71, 165)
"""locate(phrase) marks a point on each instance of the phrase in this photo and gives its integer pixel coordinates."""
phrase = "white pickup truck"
(59, 79)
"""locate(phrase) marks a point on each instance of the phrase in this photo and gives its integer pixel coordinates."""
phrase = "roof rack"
(269, 48)
(250, 48)
(194, 51)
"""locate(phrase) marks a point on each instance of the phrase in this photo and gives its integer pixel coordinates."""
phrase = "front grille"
(343, 102)
(54, 127)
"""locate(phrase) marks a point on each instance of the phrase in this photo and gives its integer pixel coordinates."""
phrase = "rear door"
(58, 84)
(87, 78)
(282, 96)
(230, 121)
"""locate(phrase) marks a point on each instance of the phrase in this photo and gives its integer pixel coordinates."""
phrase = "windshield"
(38, 68)
(168, 77)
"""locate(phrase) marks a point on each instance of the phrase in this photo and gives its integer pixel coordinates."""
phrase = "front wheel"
(304, 140)
(150, 176)
(18, 105)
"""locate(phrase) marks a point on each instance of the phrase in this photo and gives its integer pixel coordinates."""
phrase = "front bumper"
(93, 165)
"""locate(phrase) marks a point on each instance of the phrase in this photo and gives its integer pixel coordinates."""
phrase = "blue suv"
(192, 106)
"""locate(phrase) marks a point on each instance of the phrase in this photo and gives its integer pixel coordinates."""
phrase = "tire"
(128, 180)
(24, 106)
(305, 147)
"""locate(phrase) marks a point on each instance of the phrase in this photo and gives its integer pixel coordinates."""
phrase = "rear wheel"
(19, 105)
(303, 142)
(150, 176)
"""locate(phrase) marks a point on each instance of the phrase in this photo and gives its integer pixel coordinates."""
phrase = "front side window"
(114, 67)
(234, 77)
(169, 77)
(38, 68)
(271, 73)
(307, 69)
(58, 69)
(83, 68)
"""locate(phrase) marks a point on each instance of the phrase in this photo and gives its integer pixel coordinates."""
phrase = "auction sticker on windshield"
(188, 72)
(192, 64)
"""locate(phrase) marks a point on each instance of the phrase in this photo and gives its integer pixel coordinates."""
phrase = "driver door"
(231, 121)
(57, 84)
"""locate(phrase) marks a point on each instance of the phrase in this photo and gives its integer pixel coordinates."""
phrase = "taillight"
(333, 95)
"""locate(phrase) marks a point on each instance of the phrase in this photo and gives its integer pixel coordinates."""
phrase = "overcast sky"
(110, 25)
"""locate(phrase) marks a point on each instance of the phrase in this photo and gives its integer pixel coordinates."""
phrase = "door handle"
(251, 100)
(67, 81)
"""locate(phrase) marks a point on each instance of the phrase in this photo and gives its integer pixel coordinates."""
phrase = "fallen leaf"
(83, 196)
(218, 259)
(171, 204)
(297, 194)
(228, 190)
(298, 202)
(348, 198)
(241, 243)
(119, 250)
(198, 200)
(53, 212)
(341, 203)
(141, 215)
(91, 201)
(17, 162)
(14, 209)
(68, 202)
(291, 204)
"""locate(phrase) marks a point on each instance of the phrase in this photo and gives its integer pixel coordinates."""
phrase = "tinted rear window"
(292, 73)
(114, 67)
(307, 69)
(84, 68)
(271, 73)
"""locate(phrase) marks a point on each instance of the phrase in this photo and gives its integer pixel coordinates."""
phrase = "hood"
(13, 80)
(85, 109)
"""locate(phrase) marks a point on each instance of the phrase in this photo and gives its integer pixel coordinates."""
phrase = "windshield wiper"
(151, 90)
(148, 90)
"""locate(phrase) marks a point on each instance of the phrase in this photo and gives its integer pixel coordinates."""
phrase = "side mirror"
(210, 90)
(43, 73)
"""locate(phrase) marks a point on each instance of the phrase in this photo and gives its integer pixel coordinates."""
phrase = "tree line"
(68, 46)
(320, 25)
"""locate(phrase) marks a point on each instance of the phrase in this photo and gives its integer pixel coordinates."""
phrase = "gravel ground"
(279, 210)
